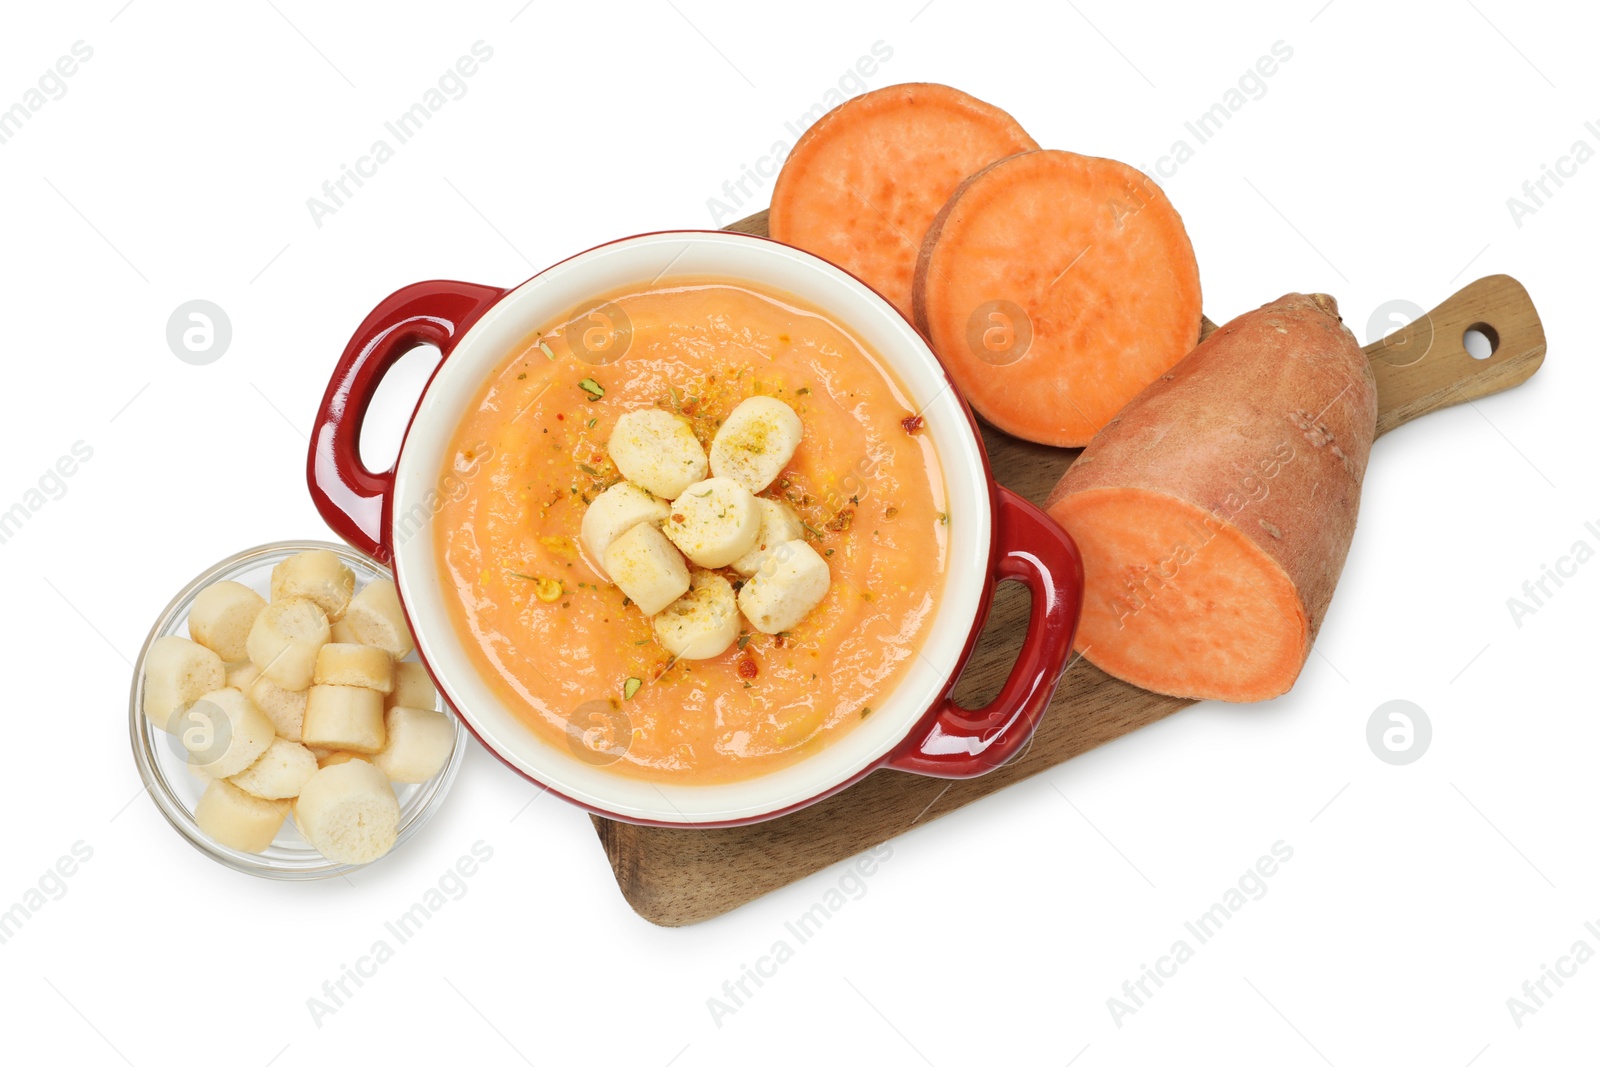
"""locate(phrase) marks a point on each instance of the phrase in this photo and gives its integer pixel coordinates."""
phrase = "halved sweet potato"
(1215, 512)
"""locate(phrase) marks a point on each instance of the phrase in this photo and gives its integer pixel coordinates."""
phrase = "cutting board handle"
(1425, 365)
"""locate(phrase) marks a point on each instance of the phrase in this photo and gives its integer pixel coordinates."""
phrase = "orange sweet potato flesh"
(863, 183)
(1215, 512)
(1087, 256)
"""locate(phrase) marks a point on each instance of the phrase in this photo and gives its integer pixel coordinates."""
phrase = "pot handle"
(961, 743)
(353, 500)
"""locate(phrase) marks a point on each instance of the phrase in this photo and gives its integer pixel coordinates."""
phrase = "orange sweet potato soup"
(558, 641)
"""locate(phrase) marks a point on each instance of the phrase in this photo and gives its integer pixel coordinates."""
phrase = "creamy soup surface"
(562, 645)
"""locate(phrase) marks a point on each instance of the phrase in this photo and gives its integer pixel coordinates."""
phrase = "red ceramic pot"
(995, 536)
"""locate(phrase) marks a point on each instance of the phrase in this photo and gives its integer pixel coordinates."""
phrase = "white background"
(1377, 166)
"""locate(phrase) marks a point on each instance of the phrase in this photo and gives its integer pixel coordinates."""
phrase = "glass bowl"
(164, 766)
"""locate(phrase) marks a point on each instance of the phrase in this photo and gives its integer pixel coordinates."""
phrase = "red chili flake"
(911, 423)
(841, 522)
(748, 668)
(688, 409)
(679, 518)
(560, 417)
(777, 641)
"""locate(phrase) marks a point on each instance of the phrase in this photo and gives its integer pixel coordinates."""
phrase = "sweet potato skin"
(1267, 426)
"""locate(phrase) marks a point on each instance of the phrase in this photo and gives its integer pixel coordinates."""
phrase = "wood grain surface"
(675, 877)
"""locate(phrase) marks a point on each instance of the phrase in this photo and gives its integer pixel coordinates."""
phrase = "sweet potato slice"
(1215, 512)
(862, 184)
(1054, 287)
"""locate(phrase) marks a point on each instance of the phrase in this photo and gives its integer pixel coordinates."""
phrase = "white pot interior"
(639, 261)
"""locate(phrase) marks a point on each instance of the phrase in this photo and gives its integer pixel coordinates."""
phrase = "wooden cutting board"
(675, 877)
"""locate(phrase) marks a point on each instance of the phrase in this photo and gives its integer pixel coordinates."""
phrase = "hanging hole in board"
(1480, 340)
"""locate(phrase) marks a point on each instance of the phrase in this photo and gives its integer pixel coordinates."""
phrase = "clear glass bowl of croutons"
(280, 719)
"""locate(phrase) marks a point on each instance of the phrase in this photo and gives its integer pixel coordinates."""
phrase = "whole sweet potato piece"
(1215, 512)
